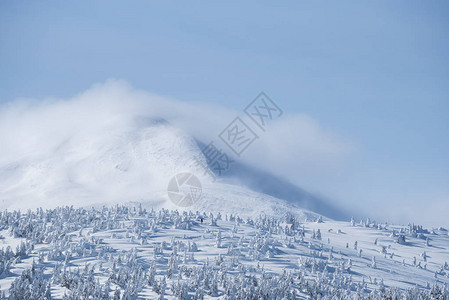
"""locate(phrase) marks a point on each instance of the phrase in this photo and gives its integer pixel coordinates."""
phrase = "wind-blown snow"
(111, 144)
(99, 149)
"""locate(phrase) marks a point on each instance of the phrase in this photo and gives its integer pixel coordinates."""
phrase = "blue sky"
(374, 73)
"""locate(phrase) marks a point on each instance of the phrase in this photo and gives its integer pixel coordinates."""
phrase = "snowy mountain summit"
(132, 166)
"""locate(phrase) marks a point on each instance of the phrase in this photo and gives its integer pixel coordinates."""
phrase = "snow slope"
(126, 166)
(145, 254)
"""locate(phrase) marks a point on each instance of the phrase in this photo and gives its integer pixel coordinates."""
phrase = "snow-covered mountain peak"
(118, 166)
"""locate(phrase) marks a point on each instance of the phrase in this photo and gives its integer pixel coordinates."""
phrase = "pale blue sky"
(375, 73)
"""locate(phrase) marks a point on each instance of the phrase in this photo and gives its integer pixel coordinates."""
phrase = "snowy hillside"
(123, 167)
(110, 168)
(130, 252)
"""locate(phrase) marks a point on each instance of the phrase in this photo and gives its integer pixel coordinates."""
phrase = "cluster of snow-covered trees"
(8, 257)
(31, 284)
(172, 268)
